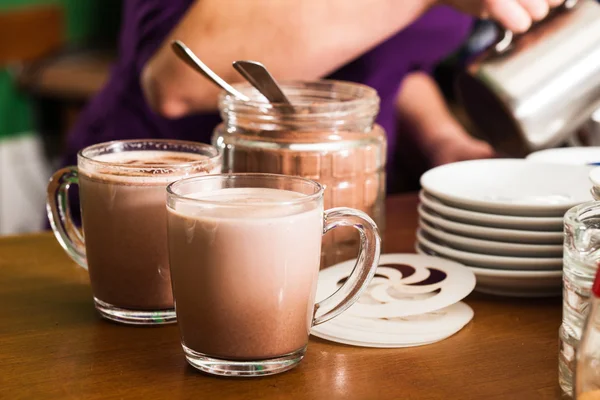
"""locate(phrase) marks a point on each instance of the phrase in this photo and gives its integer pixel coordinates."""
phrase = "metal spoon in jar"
(259, 77)
(193, 61)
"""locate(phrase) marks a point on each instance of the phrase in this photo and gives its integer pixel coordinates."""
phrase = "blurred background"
(54, 55)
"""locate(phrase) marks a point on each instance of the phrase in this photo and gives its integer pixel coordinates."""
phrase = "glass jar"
(330, 136)
(580, 263)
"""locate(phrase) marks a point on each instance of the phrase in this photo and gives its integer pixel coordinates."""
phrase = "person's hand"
(458, 148)
(514, 15)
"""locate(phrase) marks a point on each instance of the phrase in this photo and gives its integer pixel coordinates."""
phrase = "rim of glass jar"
(82, 154)
(367, 101)
(576, 215)
(306, 198)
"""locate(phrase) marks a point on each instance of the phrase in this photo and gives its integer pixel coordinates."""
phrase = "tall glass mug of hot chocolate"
(122, 191)
(245, 251)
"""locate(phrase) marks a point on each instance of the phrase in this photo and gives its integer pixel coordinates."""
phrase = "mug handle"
(366, 263)
(59, 214)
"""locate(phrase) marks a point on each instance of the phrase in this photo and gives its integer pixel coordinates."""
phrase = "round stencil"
(402, 332)
(448, 319)
(403, 285)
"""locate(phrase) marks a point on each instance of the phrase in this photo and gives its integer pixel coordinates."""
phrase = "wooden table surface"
(53, 345)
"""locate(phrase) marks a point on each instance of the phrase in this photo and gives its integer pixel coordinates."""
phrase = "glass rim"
(574, 214)
(369, 94)
(81, 154)
(305, 198)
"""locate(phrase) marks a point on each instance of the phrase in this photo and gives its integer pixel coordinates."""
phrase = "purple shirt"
(119, 111)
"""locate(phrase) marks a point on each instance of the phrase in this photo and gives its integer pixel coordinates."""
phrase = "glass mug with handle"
(245, 251)
(122, 192)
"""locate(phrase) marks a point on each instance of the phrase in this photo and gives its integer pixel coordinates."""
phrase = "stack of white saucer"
(503, 219)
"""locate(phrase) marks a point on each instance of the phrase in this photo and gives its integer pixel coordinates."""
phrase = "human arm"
(424, 116)
(295, 39)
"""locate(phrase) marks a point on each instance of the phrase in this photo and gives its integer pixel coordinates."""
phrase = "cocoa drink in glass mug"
(123, 242)
(245, 251)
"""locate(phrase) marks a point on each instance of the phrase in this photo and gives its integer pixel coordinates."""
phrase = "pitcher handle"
(59, 214)
(366, 263)
(508, 37)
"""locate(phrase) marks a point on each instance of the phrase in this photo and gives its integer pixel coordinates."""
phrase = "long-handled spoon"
(193, 61)
(261, 79)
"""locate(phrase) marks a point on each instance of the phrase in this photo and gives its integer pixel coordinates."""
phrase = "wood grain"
(54, 346)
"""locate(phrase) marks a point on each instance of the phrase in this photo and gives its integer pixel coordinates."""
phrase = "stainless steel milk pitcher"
(531, 92)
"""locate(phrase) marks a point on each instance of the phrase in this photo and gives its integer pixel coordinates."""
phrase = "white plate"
(493, 220)
(514, 283)
(490, 261)
(567, 155)
(510, 186)
(488, 233)
(492, 247)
